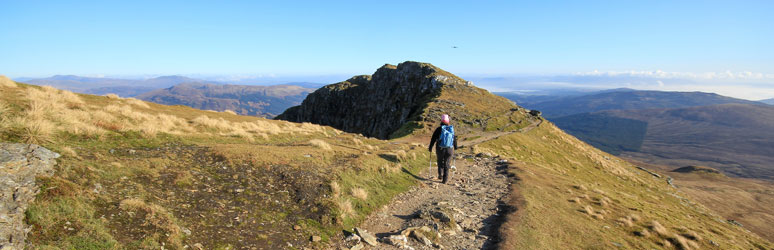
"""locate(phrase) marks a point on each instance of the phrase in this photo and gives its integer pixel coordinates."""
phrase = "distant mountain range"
(258, 100)
(618, 99)
(671, 128)
(735, 138)
(768, 101)
(266, 101)
(121, 87)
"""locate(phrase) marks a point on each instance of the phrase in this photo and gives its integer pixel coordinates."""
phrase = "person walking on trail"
(446, 144)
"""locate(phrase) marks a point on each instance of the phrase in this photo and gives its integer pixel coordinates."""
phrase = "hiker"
(444, 150)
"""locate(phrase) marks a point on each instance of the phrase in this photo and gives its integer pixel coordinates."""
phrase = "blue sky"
(42, 38)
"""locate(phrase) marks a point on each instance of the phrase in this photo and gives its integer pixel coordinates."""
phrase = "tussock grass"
(6, 82)
(112, 96)
(320, 144)
(37, 131)
(335, 189)
(137, 102)
(360, 193)
(68, 151)
(69, 113)
(229, 112)
(155, 216)
(345, 208)
(554, 168)
(656, 227)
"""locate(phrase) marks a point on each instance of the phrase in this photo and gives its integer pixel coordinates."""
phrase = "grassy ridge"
(575, 196)
(142, 175)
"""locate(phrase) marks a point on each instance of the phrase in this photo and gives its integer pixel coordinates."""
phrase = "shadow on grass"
(390, 157)
(412, 174)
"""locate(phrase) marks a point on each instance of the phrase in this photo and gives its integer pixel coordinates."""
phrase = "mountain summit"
(397, 100)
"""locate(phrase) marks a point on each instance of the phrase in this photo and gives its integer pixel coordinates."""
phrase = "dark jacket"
(436, 136)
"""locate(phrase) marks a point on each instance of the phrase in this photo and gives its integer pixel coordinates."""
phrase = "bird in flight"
(454, 47)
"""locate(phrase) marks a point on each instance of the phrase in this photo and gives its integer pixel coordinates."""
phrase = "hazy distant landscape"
(671, 128)
(266, 101)
(256, 100)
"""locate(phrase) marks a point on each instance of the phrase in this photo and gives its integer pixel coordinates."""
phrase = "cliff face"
(376, 105)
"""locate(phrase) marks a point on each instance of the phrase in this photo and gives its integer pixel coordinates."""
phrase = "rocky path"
(463, 214)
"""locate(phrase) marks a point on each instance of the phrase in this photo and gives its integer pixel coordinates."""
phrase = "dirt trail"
(472, 200)
(487, 136)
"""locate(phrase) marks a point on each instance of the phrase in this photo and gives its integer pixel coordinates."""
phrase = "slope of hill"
(745, 201)
(242, 99)
(738, 139)
(634, 99)
(570, 195)
(101, 86)
(143, 175)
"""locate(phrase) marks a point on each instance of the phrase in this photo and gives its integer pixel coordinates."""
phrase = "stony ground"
(463, 214)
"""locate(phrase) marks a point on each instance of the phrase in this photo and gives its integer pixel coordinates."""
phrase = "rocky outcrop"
(375, 105)
(19, 165)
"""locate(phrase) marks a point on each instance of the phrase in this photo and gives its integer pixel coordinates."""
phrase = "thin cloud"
(726, 75)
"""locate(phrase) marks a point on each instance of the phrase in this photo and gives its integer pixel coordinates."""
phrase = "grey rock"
(357, 247)
(397, 240)
(366, 236)
(19, 166)
(353, 237)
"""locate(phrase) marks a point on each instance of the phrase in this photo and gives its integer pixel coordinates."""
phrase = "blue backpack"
(446, 139)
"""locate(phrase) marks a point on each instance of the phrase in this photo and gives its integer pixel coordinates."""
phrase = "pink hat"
(445, 119)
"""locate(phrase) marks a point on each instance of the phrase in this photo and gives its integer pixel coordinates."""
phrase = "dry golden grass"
(155, 216)
(37, 131)
(656, 227)
(68, 151)
(320, 144)
(588, 210)
(335, 189)
(360, 193)
(68, 112)
(229, 112)
(625, 221)
(138, 103)
(345, 207)
(6, 82)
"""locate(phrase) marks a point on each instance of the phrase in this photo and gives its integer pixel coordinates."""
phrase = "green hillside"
(141, 175)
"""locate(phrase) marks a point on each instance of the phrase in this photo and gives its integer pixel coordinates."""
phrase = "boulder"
(19, 166)
(366, 236)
